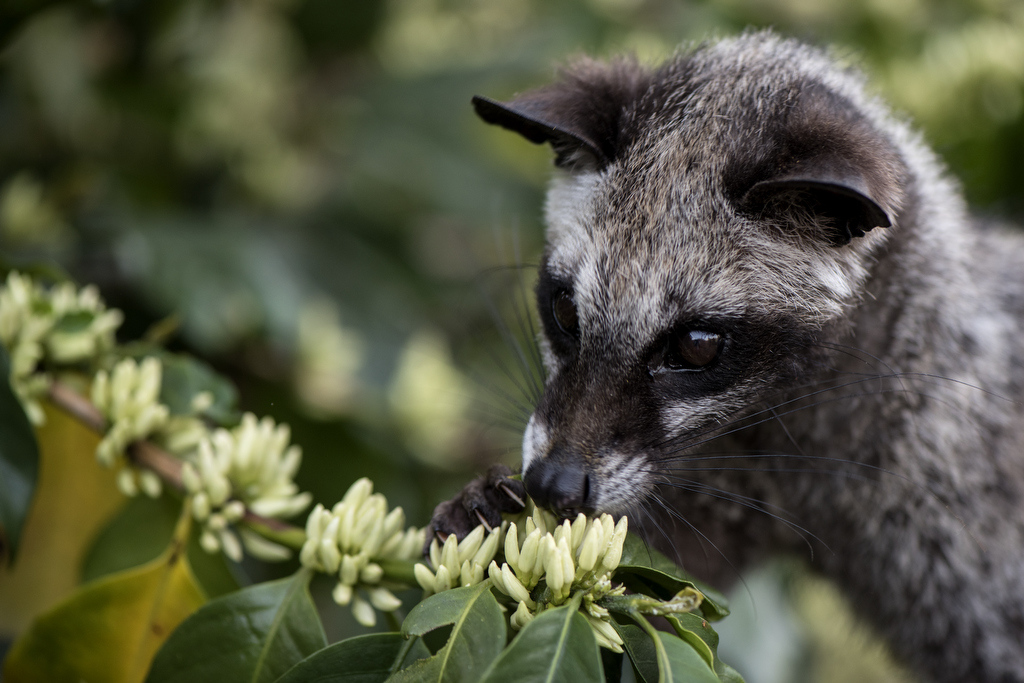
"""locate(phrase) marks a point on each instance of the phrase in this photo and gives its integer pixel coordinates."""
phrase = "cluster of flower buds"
(459, 563)
(351, 539)
(63, 325)
(249, 467)
(129, 397)
(569, 556)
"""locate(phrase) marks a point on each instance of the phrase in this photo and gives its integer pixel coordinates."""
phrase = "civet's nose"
(560, 487)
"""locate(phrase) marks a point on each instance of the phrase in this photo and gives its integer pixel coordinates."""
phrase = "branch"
(166, 466)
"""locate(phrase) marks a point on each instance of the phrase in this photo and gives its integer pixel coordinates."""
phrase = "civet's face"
(711, 219)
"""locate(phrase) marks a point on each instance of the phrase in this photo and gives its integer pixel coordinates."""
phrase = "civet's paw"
(481, 502)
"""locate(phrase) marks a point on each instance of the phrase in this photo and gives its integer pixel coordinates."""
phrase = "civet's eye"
(563, 309)
(692, 349)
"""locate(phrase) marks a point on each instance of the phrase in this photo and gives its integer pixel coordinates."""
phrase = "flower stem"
(399, 571)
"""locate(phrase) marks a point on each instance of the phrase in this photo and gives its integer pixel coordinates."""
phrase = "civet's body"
(769, 321)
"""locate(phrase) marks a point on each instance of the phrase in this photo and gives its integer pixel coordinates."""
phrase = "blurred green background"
(303, 185)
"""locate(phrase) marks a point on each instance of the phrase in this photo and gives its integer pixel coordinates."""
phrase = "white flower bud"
(209, 542)
(487, 549)
(201, 402)
(363, 612)
(346, 528)
(424, 577)
(512, 546)
(496, 577)
(216, 522)
(521, 617)
(234, 510)
(529, 554)
(412, 542)
(515, 589)
(342, 594)
(374, 537)
(591, 546)
(349, 570)
(476, 575)
(232, 548)
(450, 554)
(371, 573)
(358, 492)
(150, 483)
(579, 528)
(470, 544)
(435, 554)
(442, 580)
(262, 548)
(568, 568)
(383, 599)
(613, 555)
(330, 556)
(126, 482)
(190, 478)
(200, 506)
(393, 523)
(605, 633)
(553, 571)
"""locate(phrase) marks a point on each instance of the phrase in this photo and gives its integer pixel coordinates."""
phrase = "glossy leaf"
(74, 499)
(254, 636)
(19, 464)
(477, 637)
(679, 663)
(184, 377)
(110, 629)
(645, 570)
(139, 533)
(363, 659)
(558, 645)
(699, 634)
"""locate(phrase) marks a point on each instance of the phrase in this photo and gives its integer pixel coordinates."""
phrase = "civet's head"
(709, 220)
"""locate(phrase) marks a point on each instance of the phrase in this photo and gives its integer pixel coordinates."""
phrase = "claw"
(511, 494)
(483, 520)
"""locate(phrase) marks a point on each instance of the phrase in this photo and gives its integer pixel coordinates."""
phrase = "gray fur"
(874, 401)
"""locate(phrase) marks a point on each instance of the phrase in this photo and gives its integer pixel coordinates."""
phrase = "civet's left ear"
(578, 115)
(537, 125)
(828, 192)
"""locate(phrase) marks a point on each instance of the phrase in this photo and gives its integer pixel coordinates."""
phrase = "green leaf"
(363, 659)
(696, 631)
(137, 534)
(185, 376)
(680, 663)
(644, 570)
(110, 629)
(558, 645)
(252, 636)
(140, 532)
(478, 635)
(19, 463)
(71, 323)
(640, 651)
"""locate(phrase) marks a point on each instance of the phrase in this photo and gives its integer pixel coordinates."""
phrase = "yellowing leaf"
(75, 497)
(109, 630)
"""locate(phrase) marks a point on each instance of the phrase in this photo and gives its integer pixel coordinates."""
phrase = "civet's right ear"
(823, 188)
(578, 115)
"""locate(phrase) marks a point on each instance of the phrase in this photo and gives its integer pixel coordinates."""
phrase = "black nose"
(560, 487)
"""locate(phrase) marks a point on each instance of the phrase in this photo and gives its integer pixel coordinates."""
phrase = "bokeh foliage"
(302, 185)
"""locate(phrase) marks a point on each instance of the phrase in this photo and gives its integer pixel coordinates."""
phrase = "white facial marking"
(622, 482)
(535, 441)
